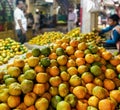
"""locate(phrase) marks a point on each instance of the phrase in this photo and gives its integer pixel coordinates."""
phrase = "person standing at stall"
(19, 19)
(72, 19)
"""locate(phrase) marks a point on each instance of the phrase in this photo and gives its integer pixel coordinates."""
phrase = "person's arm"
(107, 29)
(21, 27)
(116, 37)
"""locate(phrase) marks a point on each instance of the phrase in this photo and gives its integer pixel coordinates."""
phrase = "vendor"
(114, 27)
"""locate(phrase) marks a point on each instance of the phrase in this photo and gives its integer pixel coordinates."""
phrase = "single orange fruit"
(106, 104)
(39, 89)
(115, 61)
(79, 53)
(39, 68)
(115, 94)
(98, 82)
(82, 69)
(64, 45)
(55, 81)
(80, 61)
(70, 50)
(82, 46)
(87, 77)
(72, 70)
(53, 91)
(93, 101)
(65, 76)
(81, 105)
(32, 107)
(62, 60)
(110, 74)
(80, 92)
(89, 58)
(74, 43)
(71, 63)
(54, 71)
(42, 77)
(109, 84)
(107, 55)
(53, 55)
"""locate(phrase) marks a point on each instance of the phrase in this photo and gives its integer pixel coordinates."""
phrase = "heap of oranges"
(72, 77)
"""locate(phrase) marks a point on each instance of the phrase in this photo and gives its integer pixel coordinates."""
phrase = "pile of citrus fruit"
(46, 38)
(9, 48)
(51, 37)
(69, 75)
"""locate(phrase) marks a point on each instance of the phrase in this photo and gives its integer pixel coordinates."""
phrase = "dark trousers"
(21, 36)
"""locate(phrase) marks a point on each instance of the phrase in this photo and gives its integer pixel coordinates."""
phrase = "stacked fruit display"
(50, 37)
(67, 76)
(9, 48)
(46, 38)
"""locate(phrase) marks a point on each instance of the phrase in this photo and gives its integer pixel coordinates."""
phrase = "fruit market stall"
(68, 72)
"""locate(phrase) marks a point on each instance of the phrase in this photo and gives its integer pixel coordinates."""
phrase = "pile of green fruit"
(9, 48)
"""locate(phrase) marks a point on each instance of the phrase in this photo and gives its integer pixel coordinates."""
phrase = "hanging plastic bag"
(93, 5)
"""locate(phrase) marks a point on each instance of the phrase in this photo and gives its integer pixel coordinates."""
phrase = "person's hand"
(23, 31)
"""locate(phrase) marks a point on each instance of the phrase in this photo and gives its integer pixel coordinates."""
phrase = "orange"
(39, 68)
(72, 57)
(62, 60)
(65, 76)
(80, 92)
(103, 61)
(58, 41)
(87, 77)
(71, 63)
(79, 53)
(70, 50)
(47, 95)
(39, 89)
(81, 105)
(72, 70)
(110, 74)
(98, 82)
(22, 106)
(107, 55)
(90, 87)
(53, 62)
(42, 77)
(89, 58)
(118, 68)
(82, 69)
(54, 71)
(55, 81)
(31, 108)
(47, 86)
(53, 91)
(75, 80)
(109, 84)
(82, 46)
(103, 68)
(28, 54)
(80, 61)
(13, 101)
(115, 94)
(106, 104)
(115, 61)
(99, 92)
(64, 45)
(93, 101)
(74, 43)
(53, 55)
